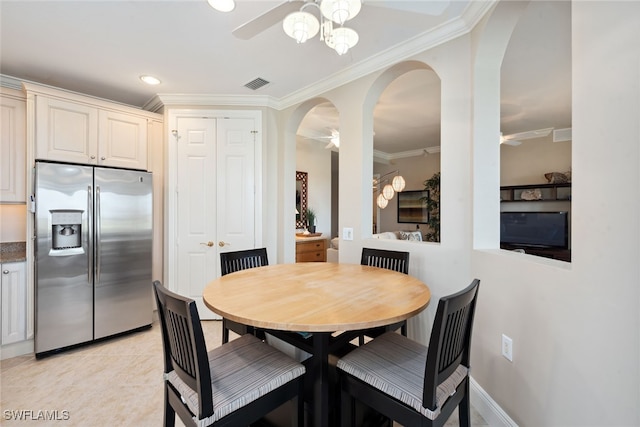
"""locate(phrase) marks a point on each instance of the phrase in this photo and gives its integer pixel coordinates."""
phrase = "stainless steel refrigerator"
(93, 253)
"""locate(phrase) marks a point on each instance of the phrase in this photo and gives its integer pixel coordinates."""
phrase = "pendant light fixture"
(382, 202)
(388, 191)
(302, 25)
(398, 183)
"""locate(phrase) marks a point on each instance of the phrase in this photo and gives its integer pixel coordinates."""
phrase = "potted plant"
(433, 206)
(311, 220)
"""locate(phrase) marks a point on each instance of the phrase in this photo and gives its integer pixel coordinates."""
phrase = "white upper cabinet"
(13, 146)
(122, 140)
(66, 131)
(74, 128)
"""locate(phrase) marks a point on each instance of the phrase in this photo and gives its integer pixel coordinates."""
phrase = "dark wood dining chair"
(235, 384)
(235, 261)
(408, 382)
(391, 260)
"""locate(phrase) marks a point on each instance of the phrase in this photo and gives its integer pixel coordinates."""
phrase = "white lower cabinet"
(14, 302)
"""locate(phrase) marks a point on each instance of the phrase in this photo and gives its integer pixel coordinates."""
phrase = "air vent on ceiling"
(562, 135)
(256, 84)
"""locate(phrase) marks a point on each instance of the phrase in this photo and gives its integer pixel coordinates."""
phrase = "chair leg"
(297, 416)
(347, 413)
(225, 332)
(169, 412)
(464, 408)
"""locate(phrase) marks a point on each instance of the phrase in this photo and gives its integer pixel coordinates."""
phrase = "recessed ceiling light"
(150, 80)
(222, 5)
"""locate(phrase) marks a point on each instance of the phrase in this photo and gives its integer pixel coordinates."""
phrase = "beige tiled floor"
(117, 382)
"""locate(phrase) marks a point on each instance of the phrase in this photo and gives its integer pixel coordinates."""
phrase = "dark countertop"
(13, 252)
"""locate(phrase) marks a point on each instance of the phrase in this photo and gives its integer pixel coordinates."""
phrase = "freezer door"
(123, 235)
(64, 285)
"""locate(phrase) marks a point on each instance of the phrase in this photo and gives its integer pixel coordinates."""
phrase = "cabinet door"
(12, 150)
(122, 141)
(14, 302)
(66, 131)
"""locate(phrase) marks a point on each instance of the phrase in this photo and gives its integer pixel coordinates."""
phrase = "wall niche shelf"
(548, 192)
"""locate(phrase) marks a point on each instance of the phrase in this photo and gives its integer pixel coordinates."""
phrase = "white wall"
(575, 326)
(13, 223)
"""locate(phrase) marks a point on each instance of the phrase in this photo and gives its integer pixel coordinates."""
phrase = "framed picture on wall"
(412, 207)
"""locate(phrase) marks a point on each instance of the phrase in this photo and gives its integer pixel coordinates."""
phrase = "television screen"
(535, 229)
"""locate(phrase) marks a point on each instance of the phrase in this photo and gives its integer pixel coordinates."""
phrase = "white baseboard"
(16, 349)
(488, 408)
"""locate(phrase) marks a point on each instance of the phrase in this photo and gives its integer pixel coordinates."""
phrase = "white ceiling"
(100, 48)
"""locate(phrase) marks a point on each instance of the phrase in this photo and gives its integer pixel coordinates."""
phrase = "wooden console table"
(311, 249)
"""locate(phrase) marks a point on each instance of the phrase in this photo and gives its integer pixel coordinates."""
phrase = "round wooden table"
(320, 298)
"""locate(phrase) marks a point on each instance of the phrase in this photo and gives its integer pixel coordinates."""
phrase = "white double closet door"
(214, 199)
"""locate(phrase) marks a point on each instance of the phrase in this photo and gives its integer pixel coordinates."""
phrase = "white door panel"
(236, 188)
(215, 201)
(197, 263)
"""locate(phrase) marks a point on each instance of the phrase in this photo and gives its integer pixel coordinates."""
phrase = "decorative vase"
(312, 229)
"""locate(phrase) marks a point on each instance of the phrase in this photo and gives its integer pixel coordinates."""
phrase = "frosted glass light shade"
(382, 202)
(342, 39)
(340, 11)
(301, 26)
(398, 183)
(222, 5)
(388, 192)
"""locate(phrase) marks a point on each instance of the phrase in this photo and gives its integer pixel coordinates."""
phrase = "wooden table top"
(316, 297)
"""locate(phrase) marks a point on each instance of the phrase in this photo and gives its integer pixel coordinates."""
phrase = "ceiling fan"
(300, 21)
(516, 139)
(334, 139)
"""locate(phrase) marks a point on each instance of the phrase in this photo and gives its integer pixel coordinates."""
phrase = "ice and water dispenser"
(66, 229)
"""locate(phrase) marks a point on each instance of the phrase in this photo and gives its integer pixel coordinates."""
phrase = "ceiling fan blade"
(512, 142)
(539, 133)
(269, 18)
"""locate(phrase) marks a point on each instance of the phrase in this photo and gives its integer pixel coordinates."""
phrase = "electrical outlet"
(347, 233)
(507, 348)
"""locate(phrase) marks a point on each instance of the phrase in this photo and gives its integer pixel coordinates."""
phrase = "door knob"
(221, 243)
(209, 243)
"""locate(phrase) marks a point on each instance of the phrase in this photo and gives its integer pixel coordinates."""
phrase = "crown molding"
(172, 99)
(443, 33)
(10, 82)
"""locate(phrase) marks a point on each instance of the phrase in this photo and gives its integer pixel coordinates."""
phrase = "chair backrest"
(391, 260)
(450, 342)
(241, 260)
(185, 351)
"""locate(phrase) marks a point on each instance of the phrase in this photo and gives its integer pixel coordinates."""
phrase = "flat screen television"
(535, 229)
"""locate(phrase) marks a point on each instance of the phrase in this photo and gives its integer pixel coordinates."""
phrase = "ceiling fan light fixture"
(301, 26)
(222, 5)
(342, 39)
(381, 201)
(340, 11)
(398, 183)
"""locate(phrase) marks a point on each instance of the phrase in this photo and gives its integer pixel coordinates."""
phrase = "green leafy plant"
(311, 217)
(433, 206)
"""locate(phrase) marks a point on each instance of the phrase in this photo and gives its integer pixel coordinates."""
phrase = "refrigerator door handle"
(89, 233)
(97, 239)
